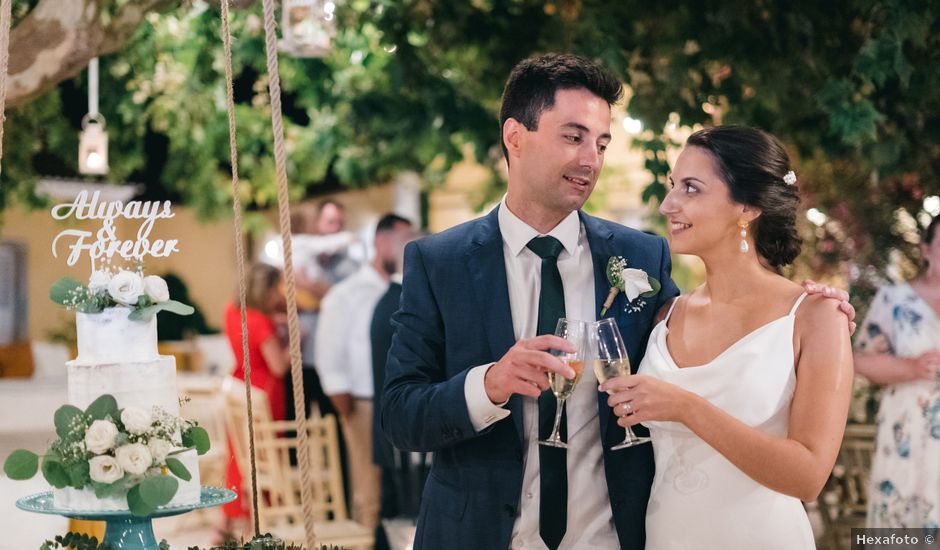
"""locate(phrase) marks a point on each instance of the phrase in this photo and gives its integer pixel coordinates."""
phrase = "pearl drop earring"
(744, 246)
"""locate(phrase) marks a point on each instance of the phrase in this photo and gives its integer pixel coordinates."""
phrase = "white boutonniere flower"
(636, 284)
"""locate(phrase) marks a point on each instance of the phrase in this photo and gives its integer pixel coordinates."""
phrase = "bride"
(746, 381)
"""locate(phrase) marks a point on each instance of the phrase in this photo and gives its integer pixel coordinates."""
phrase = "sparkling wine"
(561, 386)
(607, 368)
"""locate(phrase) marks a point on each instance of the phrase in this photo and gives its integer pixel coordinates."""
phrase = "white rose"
(136, 421)
(99, 437)
(105, 469)
(155, 287)
(135, 458)
(126, 287)
(159, 448)
(635, 282)
(99, 281)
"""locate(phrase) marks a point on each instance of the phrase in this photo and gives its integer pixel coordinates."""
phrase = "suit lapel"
(487, 265)
(600, 240)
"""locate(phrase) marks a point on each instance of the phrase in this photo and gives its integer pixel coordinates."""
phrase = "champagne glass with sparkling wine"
(575, 332)
(609, 355)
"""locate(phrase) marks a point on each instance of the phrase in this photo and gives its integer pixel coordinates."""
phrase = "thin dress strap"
(669, 313)
(797, 304)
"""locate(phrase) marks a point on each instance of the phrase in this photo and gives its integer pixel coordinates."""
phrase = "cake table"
(125, 531)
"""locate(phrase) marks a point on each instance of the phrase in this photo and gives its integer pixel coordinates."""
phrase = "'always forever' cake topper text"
(106, 242)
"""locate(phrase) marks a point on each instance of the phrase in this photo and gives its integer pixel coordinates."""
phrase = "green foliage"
(66, 417)
(847, 85)
(178, 469)
(55, 471)
(21, 464)
(198, 438)
(104, 407)
(147, 313)
(76, 541)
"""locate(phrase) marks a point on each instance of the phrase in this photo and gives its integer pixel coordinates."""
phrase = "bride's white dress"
(699, 499)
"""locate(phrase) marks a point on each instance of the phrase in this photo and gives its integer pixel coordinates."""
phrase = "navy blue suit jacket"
(455, 314)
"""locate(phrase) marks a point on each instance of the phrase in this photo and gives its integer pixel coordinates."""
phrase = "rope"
(240, 253)
(283, 203)
(5, 21)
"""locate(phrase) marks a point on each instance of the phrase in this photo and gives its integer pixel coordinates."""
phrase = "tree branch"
(56, 40)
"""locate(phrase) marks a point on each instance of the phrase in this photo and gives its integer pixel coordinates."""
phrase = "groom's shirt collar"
(517, 233)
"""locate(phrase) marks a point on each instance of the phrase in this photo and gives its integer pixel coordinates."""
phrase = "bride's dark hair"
(753, 164)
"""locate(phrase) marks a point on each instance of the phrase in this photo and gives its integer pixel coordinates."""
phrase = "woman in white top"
(746, 381)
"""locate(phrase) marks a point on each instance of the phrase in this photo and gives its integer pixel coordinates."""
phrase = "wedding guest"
(344, 359)
(402, 473)
(746, 382)
(268, 355)
(899, 348)
(320, 246)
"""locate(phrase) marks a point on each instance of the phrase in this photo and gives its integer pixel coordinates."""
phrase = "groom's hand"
(523, 369)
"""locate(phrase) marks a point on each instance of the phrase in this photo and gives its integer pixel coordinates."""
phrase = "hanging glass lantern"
(93, 146)
(308, 27)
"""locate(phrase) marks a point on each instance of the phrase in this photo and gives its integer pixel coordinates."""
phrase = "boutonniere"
(636, 284)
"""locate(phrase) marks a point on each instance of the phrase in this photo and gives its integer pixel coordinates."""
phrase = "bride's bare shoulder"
(819, 314)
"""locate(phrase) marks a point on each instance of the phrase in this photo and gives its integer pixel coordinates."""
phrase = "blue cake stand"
(125, 531)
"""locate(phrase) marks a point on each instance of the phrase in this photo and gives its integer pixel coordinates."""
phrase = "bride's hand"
(637, 398)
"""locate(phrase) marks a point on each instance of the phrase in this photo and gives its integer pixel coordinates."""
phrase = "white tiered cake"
(118, 356)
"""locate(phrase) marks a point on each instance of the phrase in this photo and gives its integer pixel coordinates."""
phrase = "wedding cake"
(118, 356)
(121, 444)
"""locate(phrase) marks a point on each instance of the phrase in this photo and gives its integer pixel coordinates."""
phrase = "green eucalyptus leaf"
(656, 288)
(55, 473)
(176, 307)
(145, 313)
(103, 407)
(63, 290)
(21, 464)
(197, 437)
(78, 473)
(178, 468)
(136, 503)
(64, 416)
(158, 490)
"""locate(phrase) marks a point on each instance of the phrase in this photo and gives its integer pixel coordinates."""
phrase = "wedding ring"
(627, 409)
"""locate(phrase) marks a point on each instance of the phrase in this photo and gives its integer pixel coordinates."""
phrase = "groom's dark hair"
(532, 84)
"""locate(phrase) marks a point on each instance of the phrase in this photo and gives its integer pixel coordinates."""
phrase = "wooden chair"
(843, 503)
(206, 405)
(279, 483)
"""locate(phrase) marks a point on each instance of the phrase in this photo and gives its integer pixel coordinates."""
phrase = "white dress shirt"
(590, 521)
(343, 345)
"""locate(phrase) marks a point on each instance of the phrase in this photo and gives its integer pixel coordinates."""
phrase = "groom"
(466, 367)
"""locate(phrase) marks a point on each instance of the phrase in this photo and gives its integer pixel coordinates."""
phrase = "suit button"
(510, 510)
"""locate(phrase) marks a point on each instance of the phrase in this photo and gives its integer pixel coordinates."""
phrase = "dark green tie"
(553, 475)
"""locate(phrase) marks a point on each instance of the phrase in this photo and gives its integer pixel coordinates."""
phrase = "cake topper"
(108, 287)
(106, 243)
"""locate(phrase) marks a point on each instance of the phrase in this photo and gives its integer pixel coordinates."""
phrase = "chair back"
(843, 503)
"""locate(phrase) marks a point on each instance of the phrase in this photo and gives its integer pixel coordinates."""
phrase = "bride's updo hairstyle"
(756, 168)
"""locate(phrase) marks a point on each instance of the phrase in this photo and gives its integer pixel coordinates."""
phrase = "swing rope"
(280, 163)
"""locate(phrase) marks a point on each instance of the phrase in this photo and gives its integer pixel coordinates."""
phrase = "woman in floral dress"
(899, 347)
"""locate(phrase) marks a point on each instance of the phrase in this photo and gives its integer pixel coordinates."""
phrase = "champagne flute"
(573, 331)
(610, 360)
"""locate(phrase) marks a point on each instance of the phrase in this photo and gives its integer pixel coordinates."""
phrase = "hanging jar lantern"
(308, 27)
(93, 146)
(93, 141)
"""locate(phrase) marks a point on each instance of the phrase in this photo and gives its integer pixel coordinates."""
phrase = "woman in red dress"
(269, 359)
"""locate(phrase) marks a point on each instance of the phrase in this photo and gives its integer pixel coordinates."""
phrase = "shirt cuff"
(482, 411)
